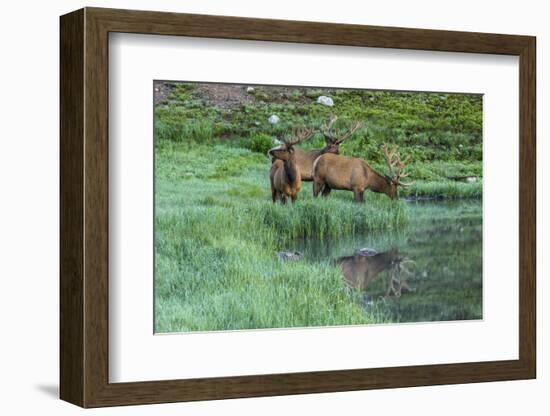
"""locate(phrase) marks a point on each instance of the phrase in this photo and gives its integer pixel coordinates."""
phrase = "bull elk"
(306, 158)
(284, 174)
(332, 171)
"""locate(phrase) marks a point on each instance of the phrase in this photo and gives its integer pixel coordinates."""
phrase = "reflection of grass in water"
(446, 245)
(445, 189)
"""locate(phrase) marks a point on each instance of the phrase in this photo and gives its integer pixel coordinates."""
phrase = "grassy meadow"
(217, 233)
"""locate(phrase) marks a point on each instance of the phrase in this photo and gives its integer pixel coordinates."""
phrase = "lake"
(430, 270)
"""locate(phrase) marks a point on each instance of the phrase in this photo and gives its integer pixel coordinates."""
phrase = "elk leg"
(273, 195)
(294, 198)
(317, 187)
(326, 191)
(358, 196)
(283, 199)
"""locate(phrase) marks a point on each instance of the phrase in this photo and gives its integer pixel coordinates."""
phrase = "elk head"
(285, 151)
(333, 140)
(396, 174)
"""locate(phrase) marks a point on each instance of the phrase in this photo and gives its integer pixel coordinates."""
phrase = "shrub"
(261, 143)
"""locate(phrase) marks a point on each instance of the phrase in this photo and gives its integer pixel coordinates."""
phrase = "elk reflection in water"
(363, 267)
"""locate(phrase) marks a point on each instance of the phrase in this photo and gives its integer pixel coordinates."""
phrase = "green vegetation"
(217, 234)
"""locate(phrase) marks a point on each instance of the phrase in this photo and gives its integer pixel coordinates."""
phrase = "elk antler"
(402, 265)
(298, 136)
(327, 131)
(331, 136)
(397, 277)
(396, 165)
(356, 126)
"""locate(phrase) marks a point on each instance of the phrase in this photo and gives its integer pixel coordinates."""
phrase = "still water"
(429, 271)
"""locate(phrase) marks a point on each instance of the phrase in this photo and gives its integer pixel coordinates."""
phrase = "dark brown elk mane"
(332, 171)
(291, 171)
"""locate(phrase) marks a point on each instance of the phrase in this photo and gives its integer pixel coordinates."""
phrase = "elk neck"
(320, 152)
(379, 183)
(313, 154)
(291, 170)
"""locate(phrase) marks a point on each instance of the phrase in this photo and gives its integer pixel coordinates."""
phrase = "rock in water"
(366, 252)
(273, 119)
(290, 255)
(323, 99)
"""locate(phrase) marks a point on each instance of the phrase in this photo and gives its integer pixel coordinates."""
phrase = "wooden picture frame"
(84, 207)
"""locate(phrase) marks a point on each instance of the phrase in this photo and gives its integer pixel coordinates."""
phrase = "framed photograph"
(255, 207)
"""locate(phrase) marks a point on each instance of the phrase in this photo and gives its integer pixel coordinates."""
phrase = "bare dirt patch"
(162, 90)
(224, 95)
(230, 96)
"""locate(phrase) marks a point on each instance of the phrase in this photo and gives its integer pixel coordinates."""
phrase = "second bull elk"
(353, 174)
(306, 157)
(284, 174)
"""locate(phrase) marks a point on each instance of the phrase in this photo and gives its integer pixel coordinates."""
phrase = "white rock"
(471, 179)
(250, 90)
(323, 99)
(273, 119)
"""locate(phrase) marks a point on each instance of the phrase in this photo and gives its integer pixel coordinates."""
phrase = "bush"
(261, 143)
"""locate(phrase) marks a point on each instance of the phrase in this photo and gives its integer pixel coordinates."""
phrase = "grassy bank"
(217, 234)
